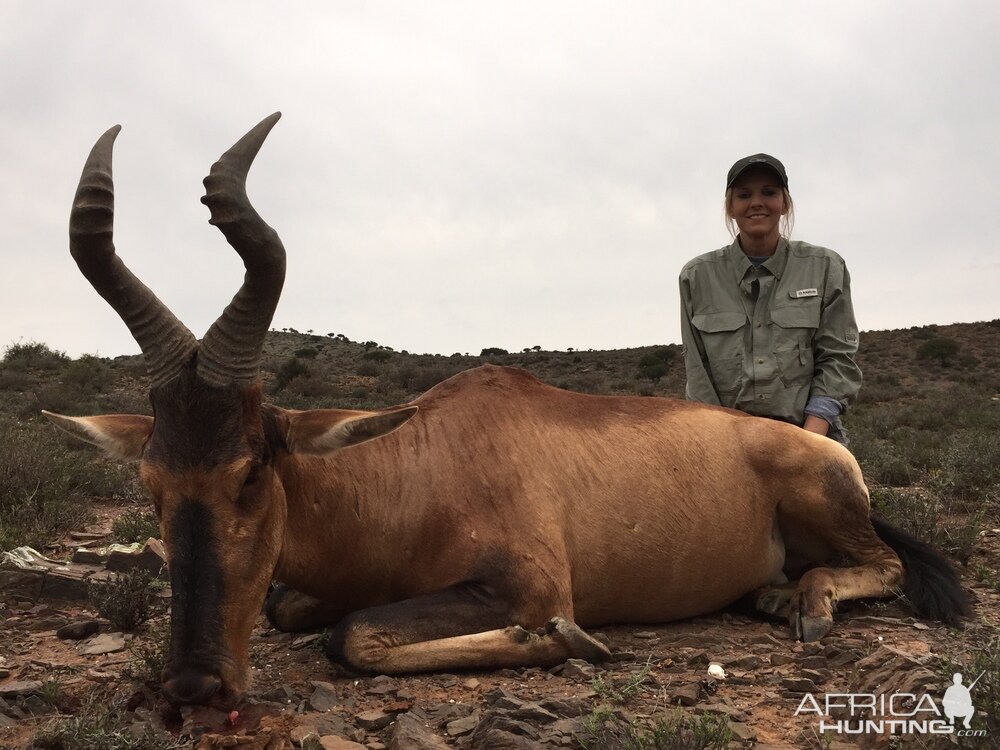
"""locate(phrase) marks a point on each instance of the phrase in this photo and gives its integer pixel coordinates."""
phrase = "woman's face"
(758, 203)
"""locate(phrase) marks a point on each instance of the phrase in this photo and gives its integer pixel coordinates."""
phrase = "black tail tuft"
(932, 583)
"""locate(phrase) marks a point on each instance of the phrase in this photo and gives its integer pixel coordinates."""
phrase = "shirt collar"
(741, 265)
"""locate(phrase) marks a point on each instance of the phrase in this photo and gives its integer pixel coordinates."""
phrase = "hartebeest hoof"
(774, 601)
(580, 645)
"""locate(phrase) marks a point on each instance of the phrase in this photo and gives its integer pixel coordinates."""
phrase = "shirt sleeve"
(837, 375)
(699, 386)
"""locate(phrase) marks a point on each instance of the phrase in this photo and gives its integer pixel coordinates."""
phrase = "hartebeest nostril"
(191, 688)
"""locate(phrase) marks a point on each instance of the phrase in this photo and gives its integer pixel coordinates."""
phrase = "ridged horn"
(231, 349)
(165, 341)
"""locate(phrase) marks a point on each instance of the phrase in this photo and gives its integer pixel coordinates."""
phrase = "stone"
(304, 640)
(324, 697)
(798, 685)
(409, 733)
(731, 713)
(576, 669)
(780, 659)
(498, 731)
(151, 557)
(686, 695)
(318, 724)
(374, 720)
(77, 631)
(472, 683)
(19, 688)
(333, 742)
(460, 727)
(282, 694)
(747, 663)
(105, 643)
(534, 713)
(742, 732)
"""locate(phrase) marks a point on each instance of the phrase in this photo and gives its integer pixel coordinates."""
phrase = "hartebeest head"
(211, 453)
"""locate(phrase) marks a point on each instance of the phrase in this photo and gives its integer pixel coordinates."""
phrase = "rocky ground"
(671, 672)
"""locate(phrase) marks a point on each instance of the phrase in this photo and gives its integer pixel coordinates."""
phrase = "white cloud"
(451, 176)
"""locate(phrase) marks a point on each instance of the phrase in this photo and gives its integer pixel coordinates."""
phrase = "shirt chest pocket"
(792, 336)
(722, 335)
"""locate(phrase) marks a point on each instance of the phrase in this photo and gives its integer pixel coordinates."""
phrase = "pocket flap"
(796, 316)
(719, 321)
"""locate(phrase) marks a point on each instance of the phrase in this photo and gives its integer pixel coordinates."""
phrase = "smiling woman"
(767, 323)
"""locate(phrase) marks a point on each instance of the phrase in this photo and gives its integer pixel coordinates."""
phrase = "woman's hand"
(816, 424)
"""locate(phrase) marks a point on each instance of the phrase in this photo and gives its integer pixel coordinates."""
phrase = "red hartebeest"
(503, 516)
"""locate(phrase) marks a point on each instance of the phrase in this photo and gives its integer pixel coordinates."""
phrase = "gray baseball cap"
(750, 161)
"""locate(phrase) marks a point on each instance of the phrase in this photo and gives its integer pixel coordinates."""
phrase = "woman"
(767, 323)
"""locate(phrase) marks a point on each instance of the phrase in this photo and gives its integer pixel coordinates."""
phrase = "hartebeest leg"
(463, 626)
(832, 511)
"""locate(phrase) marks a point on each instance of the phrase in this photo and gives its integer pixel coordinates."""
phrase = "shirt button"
(757, 325)
(761, 397)
(760, 361)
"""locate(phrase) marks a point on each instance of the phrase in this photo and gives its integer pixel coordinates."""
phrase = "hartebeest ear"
(119, 435)
(328, 430)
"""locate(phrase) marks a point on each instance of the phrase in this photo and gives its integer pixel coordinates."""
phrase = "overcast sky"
(449, 176)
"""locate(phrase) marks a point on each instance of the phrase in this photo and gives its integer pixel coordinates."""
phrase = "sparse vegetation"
(135, 525)
(127, 600)
(98, 725)
(605, 729)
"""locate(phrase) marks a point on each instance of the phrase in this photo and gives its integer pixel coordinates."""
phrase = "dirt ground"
(873, 646)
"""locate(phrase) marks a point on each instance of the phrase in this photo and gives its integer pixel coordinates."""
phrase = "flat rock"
(105, 643)
(77, 631)
(333, 742)
(319, 724)
(19, 688)
(409, 733)
(374, 720)
(686, 695)
(576, 669)
(151, 557)
(460, 727)
(324, 697)
(798, 685)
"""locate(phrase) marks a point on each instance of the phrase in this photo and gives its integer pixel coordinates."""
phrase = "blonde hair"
(787, 221)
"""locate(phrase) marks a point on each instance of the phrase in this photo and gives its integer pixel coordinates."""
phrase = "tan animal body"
(492, 517)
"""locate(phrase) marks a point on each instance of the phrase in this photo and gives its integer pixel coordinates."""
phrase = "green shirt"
(764, 339)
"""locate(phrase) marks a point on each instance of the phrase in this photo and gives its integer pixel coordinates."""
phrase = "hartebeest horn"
(165, 341)
(231, 349)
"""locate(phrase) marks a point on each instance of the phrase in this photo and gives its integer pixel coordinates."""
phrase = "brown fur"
(502, 501)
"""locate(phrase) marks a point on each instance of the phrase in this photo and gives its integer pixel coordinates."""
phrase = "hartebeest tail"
(931, 584)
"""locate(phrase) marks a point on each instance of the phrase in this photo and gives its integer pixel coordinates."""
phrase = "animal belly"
(675, 581)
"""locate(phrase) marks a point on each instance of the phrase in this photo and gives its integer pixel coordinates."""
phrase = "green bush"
(941, 349)
(99, 725)
(127, 600)
(377, 355)
(135, 526)
(290, 370)
(33, 356)
(43, 484)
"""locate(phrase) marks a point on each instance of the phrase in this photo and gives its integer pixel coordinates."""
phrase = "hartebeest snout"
(503, 516)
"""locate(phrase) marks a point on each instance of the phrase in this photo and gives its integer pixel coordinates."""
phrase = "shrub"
(149, 653)
(610, 730)
(940, 348)
(493, 351)
(307, 353)
(33, 356)
(43, 484)
(127, 600)
(135, 526)
(288, 372)
(377, 355)
(652, 367)
(99, 726)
